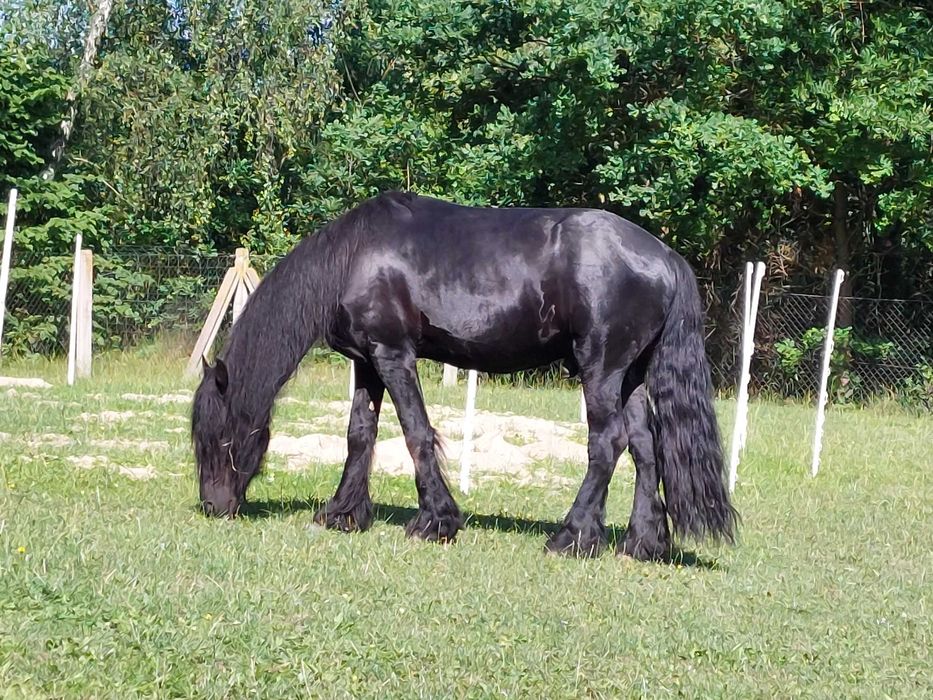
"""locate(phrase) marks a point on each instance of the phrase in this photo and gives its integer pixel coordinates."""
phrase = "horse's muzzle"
(221, 509)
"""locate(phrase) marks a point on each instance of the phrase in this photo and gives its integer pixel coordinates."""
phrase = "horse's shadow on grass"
(399, 515)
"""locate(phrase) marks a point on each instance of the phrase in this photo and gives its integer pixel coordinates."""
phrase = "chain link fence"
(142, 295)
(883, 347)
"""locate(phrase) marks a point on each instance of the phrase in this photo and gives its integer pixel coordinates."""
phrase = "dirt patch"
(125, 444)
(88, 461)
(504, 445)
(20, 394)
(299, 451)
(108, 417)
(95, 461)
(32, 382)
(49, 440)
(160, 399)
(141, 473)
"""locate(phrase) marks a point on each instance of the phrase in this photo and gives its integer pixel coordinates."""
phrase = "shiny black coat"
(497, 290)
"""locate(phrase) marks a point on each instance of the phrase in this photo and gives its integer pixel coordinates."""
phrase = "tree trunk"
(95, 30)
(843, 251)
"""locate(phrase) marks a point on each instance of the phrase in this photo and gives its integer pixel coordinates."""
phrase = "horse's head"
(228, 443)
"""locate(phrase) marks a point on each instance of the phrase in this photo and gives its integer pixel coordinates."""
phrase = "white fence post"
(824, 374)
(5, 266)
(450, 376)
(73, 327)
(466, 452)
(84, 319)
(749, 321)
(351, 381)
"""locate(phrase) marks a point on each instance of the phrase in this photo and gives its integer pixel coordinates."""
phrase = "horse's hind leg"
(351, 508)
(438, 517)
(648, 536)
(583, 532)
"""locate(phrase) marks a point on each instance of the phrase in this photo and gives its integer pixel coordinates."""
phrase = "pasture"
(113, 585)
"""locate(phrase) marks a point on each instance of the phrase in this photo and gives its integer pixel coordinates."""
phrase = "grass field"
(112, 585)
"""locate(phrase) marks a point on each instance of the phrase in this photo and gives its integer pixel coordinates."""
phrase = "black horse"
(498, 290)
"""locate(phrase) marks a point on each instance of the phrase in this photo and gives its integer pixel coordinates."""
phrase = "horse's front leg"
(351, 508)
(438, 518)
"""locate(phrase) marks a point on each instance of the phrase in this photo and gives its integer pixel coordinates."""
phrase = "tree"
(199, 114)
(49, 212)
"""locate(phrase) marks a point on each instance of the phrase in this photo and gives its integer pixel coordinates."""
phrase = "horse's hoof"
(435, 528)
(577, 543)
(645, 549)
(356, 519)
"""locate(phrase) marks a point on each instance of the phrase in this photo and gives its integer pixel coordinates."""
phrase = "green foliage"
(713, 122)
(699, 174)
(199, 116)
(49, 212)
(917, 389)
(853, 356)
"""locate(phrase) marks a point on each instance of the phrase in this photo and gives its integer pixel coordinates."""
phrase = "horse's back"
(503, 288)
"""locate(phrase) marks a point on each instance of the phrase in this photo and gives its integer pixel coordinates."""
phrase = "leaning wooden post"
(85, 328)
(73, 325)
(241, 292)
(824, 374)
(7, 253)
(466, 452)
(240, 281)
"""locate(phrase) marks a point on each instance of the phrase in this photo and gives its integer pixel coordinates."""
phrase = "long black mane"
(271, 336)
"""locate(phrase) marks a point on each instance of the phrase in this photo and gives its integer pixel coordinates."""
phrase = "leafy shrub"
(916, 391)
(799, 357)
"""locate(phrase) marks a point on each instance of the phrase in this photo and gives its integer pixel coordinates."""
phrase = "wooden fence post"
(73, 318)
(5, 264)
(240, 281)
(241, 293)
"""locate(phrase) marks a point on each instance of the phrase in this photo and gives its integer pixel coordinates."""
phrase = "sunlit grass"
(114, 587)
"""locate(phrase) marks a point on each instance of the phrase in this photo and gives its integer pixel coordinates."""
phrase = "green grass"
(116, 587)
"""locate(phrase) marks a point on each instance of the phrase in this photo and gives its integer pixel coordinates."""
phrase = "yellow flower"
(21, 550)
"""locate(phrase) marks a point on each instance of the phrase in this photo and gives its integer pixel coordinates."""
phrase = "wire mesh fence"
(723, 333)
(140, 294)
(38, 304)
(883, 347)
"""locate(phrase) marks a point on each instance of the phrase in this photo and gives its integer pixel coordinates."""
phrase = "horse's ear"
(221, 378)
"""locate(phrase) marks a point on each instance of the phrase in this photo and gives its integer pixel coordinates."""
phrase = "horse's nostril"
(208, 507)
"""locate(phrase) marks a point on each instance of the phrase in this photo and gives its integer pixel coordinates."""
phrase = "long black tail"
(686, 436)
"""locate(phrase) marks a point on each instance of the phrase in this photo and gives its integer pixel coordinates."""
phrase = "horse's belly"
(494, 348)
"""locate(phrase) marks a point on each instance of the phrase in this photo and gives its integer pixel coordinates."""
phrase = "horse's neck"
(291, 310)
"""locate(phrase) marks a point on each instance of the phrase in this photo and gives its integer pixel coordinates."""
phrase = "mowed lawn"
(112, 584)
